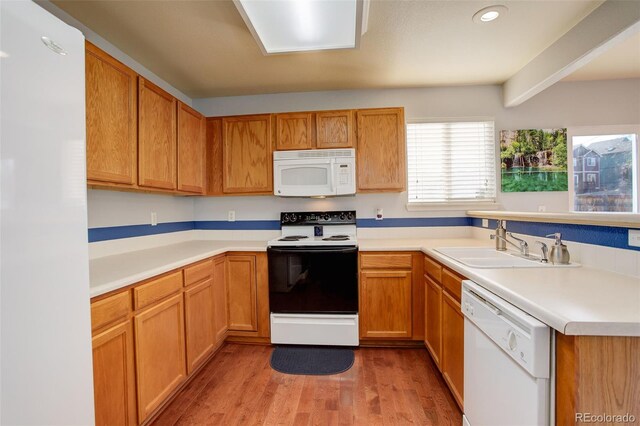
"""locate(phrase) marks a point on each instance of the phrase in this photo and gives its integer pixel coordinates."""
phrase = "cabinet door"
(191, 150)
(334, 129)
(220, 298)
(241, 282)
(453, 346)
(433, 319)
(156, 137)
(199, 321)
(381, 159)
(160, 353)
(385, 309)
(112, 119)
(294, 131)
(247, 154)
(114, 376)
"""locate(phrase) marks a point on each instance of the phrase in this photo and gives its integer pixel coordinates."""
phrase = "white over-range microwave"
(314, 173)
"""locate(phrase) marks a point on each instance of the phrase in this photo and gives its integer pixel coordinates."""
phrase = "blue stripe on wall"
(117, 232)
(608, 236)
(405, 222)
(245, 225)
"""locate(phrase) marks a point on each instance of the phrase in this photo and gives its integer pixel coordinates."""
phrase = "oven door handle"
(313, 249)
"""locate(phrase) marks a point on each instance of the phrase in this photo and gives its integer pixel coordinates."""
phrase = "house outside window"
(605, 172)
(451, 163)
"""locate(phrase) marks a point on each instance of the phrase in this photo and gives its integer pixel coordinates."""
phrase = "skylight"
(283, 26)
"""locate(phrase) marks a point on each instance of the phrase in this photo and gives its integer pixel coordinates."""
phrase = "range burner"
(293, 238)
(336, 238)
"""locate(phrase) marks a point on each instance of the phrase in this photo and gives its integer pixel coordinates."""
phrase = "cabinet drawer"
(198, 272)
(452, 282)
(110, 309)
(385, 261)
(433, 269)
(157, 289)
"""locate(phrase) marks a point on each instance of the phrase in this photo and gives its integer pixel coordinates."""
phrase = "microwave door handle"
(332, 176)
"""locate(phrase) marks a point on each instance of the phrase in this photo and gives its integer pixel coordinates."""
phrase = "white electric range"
(313, 279)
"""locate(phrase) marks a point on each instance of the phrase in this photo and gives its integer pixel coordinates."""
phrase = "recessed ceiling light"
(284, 26)
(489, 14)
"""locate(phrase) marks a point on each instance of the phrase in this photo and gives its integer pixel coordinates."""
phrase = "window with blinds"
(451, 162)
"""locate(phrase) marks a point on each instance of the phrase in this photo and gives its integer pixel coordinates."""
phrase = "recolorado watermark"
(605, 418)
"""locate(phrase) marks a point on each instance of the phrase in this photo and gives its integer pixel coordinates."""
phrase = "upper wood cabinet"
(214, 156)
(156, 137)
(112, 122)
(380, 154)
(247, 163)
(191, 150)
(294, 130)
(334, 129)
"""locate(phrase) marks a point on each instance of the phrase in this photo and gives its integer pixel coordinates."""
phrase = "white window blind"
(451, 162)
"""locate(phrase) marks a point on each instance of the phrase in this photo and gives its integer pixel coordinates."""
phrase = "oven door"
(304, 178)
(313, 280)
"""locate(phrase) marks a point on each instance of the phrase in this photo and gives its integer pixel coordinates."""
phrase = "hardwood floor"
(384, 387)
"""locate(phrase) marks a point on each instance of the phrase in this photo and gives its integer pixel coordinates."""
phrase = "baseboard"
(249, 340)
(392, 344)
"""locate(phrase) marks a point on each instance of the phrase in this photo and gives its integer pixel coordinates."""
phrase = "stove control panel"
(347, 217)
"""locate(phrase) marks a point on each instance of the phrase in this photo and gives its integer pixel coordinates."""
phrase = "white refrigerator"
(45, 332)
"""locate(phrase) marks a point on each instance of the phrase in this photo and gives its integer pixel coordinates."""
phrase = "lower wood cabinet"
(453, 346)
(444, 324)
(433, 318)
(241, 278)
(385, 304)
(200, 322)
(220, 298)
(114, 376)
(160, 353)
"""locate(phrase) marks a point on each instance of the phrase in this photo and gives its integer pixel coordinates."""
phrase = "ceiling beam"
(612, 22)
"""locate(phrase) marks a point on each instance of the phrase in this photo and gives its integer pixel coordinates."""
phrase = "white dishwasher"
(507, 362)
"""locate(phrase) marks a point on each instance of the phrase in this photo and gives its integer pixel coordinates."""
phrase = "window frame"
(612, 129)
(454, 205)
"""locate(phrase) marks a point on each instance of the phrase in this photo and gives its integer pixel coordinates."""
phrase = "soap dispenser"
(559, 252)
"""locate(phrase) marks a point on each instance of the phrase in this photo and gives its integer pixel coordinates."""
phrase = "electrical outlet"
(232, 216)
(542, 209)
(154, 218)
(485, 223)
(379, 214)
(634, 237)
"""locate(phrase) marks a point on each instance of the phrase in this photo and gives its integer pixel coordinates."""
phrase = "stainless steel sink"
(488, 257)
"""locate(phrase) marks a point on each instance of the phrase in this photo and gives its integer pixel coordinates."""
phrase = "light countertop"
(113, 272)
(575, 301)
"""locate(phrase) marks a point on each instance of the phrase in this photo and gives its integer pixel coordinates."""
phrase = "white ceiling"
(204, 48)
(620, 61)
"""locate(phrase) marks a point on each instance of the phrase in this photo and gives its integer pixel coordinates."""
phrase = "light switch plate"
(154, 218)
(232, 216)
(485, 223)
(634, 237)
(379, 214)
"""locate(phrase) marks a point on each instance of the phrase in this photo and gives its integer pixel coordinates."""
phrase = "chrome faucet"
(522, 245)
(545, 252)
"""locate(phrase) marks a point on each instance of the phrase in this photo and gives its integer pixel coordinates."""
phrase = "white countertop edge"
(150, 273)
(554, 320)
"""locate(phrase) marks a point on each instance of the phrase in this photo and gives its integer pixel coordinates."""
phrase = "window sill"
(624, 220)
(460, 206)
